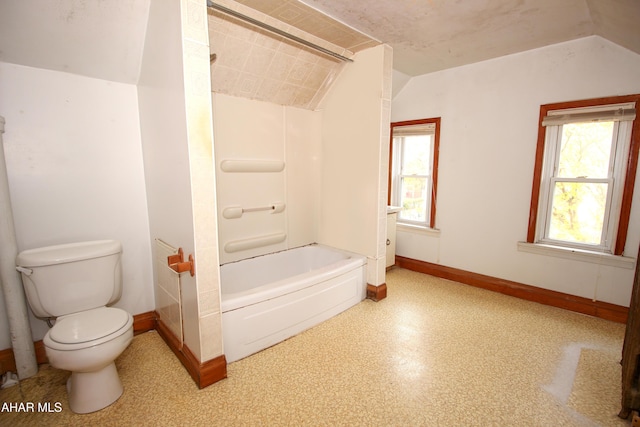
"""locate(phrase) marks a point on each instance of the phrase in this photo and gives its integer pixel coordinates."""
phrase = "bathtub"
(270, 298)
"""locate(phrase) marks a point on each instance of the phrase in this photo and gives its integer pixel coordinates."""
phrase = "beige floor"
(433, 353)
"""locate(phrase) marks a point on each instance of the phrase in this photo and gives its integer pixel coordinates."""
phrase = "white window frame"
(397, 160)
(623, 116)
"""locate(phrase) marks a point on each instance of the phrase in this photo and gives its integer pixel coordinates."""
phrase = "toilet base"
(92, 391)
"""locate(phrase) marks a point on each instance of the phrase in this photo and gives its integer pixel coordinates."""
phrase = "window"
(413, 178)
(584, 174)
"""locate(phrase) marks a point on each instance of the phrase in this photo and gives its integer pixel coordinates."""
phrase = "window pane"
(578, 212)
(416, 158)
(414, 199)
(585, 150)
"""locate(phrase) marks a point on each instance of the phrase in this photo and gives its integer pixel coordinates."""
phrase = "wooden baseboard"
(599, 309)
(204, 374)
(144, 322)
(141, 323)
(377, 293)
(7, 361)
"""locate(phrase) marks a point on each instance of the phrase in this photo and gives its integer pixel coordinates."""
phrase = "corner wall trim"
(376, 293)
(204, 374)
(574, 303)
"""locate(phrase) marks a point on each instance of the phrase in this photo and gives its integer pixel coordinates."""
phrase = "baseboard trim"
(574, 303)
(376, 293)
(141, 323)
(144, 322)
(203, 374)
(8, 361)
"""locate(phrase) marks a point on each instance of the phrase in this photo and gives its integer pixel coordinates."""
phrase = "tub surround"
(314, 151)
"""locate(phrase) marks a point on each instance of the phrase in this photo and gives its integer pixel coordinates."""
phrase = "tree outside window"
(584, 174)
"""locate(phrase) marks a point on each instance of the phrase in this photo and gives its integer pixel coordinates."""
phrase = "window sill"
(578, 255)
(418, 229)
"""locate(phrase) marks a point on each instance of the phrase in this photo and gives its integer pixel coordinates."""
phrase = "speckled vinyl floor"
(434, 353)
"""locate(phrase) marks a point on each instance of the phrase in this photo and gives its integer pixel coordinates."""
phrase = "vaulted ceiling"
(100, 39)
(104, 39)
(431, 35)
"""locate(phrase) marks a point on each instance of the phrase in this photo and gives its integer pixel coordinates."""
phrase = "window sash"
(621, 213)
(605, 231)
(398, 177)
(615, 186)
(431, 126)
(425, 204)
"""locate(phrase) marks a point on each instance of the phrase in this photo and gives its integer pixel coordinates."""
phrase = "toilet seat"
(88, 328)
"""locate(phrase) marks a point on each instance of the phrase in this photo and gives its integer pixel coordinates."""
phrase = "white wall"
(355, 147)
(74, 162)
(489, 128)
(164, 128)
(176, 123)
(165, 151)
(303, 153)
(255, 130)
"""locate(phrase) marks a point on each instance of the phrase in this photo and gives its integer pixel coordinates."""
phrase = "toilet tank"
(69, 278)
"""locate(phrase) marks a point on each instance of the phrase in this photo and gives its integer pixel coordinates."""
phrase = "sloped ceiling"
(104, 39)
(431, 35)
(100, 39)
(314, 22)
(254, 63)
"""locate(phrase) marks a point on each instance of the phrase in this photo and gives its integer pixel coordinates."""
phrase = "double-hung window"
(584, 175)
(413, 177)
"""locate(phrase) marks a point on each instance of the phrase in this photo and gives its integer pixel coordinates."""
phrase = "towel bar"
(232, 212)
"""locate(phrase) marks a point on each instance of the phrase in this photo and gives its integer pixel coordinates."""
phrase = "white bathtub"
(270, 298)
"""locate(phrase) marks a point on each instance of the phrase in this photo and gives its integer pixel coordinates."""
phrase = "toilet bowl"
(75, 284)
(87, 344)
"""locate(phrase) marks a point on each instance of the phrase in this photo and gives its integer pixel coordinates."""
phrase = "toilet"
(75, 284)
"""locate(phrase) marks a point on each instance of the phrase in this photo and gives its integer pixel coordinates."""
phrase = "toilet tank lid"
(69, 252)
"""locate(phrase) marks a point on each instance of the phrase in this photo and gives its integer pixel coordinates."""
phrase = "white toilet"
(74, 283)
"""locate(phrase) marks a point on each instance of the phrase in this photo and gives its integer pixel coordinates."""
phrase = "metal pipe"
(13, 292)
(275, 30)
